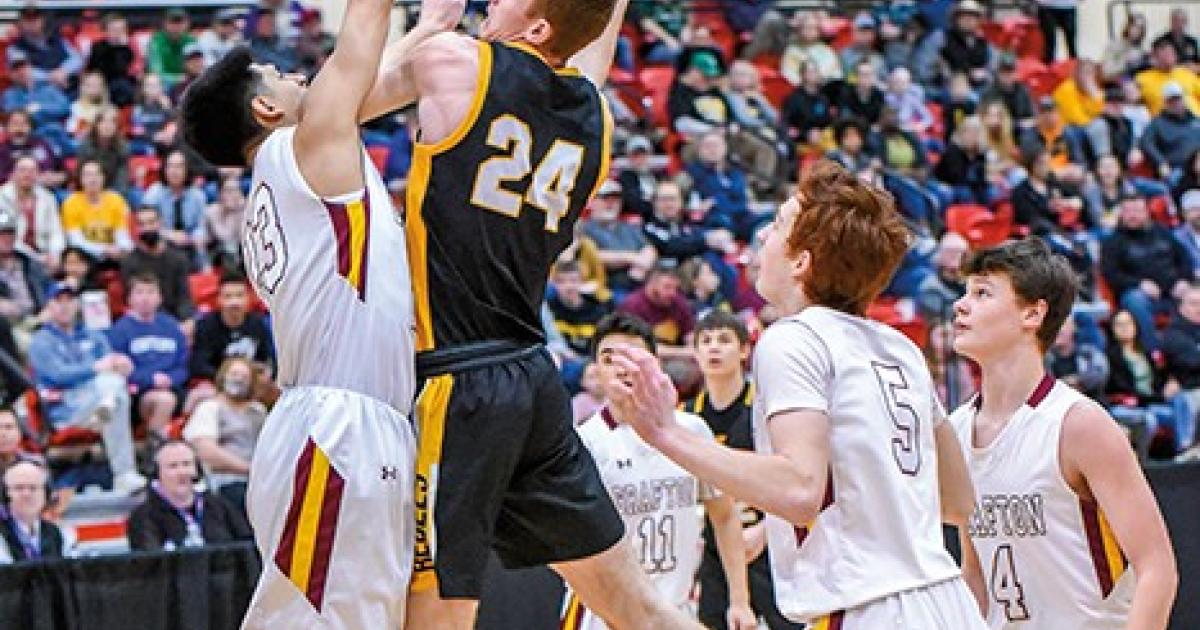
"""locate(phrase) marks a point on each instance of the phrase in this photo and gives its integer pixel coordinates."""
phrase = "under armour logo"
(624, 463)
(389, 473)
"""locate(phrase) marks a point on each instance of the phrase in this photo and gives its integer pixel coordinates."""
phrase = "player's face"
(990, 318)
(507, 20)
(284, 93)
(609, 375)
(720, 352)
(776, 281)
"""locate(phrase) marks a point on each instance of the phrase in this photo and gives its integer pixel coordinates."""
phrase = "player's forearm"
(727, 528)
(1155, 594)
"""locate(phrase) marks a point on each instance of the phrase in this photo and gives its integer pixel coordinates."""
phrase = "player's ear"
(266, 111)
(1034, 314)
(539, 33)
(801, 265)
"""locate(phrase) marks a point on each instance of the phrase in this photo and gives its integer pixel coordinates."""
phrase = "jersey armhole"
(292, 166)
(482, 85)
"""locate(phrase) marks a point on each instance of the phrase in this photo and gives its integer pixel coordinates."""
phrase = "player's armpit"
(954, 478)
(420, 51)
(1099, 464)
(597, 57)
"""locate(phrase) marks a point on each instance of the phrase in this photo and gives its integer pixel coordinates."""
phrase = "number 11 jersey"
(880, 531)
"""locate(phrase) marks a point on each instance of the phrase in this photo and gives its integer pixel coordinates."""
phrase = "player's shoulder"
(445, 51)
(694, 423)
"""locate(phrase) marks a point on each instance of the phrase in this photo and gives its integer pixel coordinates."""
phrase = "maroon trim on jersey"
(607, 417)
(1095, 539)
(283, 553)
(803, 532)
(326, 530)
(836, 619)
(1042, 390)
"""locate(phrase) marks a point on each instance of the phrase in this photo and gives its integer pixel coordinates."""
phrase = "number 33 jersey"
(334, 273)
(880, 531)
(491, 206)
(660, 502)
(1049, 558)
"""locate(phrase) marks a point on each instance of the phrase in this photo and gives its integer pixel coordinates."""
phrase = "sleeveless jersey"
(491, 206)
(880, 531)
(335, 276)
(1050, 559)
(659, 501)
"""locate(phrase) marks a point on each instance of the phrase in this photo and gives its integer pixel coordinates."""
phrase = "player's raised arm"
(596, 58)
(1095, 452)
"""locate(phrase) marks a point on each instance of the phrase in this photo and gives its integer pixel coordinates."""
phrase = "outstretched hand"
(646, 398)
(442, 15)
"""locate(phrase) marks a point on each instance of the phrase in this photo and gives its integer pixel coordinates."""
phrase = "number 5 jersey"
(1049, 557)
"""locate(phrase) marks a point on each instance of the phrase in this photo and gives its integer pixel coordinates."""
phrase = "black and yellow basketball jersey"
(490, 207)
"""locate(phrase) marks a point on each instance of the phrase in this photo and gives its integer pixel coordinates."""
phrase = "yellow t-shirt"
(1152, 81)
(1076, 106)
(100, 222)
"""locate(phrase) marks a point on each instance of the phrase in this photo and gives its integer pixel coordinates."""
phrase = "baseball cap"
(1114, 94)
(227, 15)
(176, 13)
(1008, 61)
(968, 6)
(1046, 103)
(1191, 199)
(8, 223)
(609, 188)
(639, 143)
(864, 21)
(59, 288)
(1172, 89)
(29, 11)
(16, 58)
(707, 64)
(192, 49)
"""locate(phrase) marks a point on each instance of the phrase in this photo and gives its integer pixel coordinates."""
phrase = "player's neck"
(724, 390)
(1009, 380)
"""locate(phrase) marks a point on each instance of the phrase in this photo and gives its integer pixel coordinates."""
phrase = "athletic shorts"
(499, 465)
(330, 501)
(947, 605)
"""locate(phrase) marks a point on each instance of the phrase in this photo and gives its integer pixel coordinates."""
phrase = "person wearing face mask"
(224, 430)
(155, 255)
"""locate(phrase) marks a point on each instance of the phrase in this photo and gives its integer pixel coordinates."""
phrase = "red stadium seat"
(774, 86)
(143, 170)
(1162, 212)
(980, 226)
(906, 320)
(657, 81)
(45, 435)
(379, 155)
(203, 289)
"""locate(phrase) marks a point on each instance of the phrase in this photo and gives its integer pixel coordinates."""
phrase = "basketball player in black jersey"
(514, 141)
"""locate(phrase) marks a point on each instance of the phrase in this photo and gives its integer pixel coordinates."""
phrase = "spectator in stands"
(1139, 389)
(10, 440)
(1053, 16)
(1065, 144)
(899, 149)
(93, 98)
(1173, 135)
(999, 139)
(851, 152)
(23, 278)
(175, 515)
(224, 430)
(1186, 46)
(1181, 347)
(862, 98)
(637, 180)
(79, 270)
(286, 13)
(106, 144)
(1015, 95)
(864, 47)
(155, 344)
(925, 56)
(1127, 54)
(808, 48)
(701, 285)
(807, 112)
(1111, 134)
(575, 312)
(230, 331)
(1145, 267)
(35, 208)
(673, 237)
(314, 44)
(1041, 202)
(53, 59)
(27, 535)
(661, 25)
(45, 102)
(696, 103)
(1077, 363)
(223, 37)
(223, 223)
(967, 51)
(1104, 193)
(1188, 232)
(965, 165)
(155, 255)
(661, 304)
(939, 291)
(1164, 69)
(96, 219)
(590, 398)
(950, 371)
(722, 189)
(193, 66)
(82, 383)
(181, 207)
(152, 121)
(756, 122)
(908, 101)
(584, 252)
(165, 54)
(113, 58)
(624, 250)
(1188, 179)
(960, 103)
(268, 46)
(19, 141)
(1080, 98)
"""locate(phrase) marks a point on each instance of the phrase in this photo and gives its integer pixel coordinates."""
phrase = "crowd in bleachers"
(126, 325)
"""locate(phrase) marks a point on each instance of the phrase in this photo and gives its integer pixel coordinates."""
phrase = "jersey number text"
(1006, 589)
(266, 246)
(657, 538)
(553, 179)
(906, 438)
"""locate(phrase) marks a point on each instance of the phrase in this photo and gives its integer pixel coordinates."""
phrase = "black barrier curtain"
(201, 589)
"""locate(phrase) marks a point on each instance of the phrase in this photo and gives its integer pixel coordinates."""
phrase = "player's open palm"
(442, 15)
(741, 618)
(646, 397)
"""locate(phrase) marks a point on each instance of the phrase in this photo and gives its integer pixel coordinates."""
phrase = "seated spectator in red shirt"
(662, 305)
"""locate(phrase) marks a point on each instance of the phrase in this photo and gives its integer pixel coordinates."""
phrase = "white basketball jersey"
(881, 530)
(334, 273)
(659, 501)
(1050, 559)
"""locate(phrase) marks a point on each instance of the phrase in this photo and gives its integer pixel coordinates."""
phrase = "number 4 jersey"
(880, 532)
(1049, 558)
(492, 205)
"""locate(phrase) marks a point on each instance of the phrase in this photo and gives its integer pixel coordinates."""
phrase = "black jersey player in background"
(514, 141)
(725, 403)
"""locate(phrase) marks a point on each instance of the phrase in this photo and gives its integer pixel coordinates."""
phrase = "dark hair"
(1036, 274)
(143, 277)
(113, 16)
(718, 319)
(187, 167)
(218, 122)
(623, 324)
(843, 126)
(83, 164)
(231, 277)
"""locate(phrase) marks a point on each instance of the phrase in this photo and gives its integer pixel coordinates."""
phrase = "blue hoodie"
(156, 346)
(62, 359)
